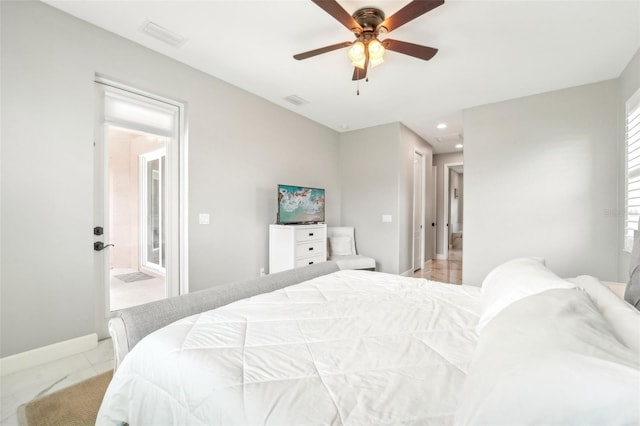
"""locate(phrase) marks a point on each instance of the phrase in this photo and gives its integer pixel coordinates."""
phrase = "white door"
(434, 213)
(138, 246)
(418, 211)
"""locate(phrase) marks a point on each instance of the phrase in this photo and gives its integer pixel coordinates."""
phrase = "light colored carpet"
(133, 276)
(76, 405)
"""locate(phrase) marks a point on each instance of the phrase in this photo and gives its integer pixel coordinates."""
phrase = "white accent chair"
(341, 243)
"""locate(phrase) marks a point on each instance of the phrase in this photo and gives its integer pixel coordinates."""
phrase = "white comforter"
(350, 348)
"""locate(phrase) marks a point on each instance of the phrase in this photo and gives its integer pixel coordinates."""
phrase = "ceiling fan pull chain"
(358, 82)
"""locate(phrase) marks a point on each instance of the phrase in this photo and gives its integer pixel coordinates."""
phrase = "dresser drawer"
(309, 260)
(310, 248)
(310, 234)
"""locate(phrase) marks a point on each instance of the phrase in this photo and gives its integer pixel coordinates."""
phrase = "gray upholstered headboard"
(129, 326)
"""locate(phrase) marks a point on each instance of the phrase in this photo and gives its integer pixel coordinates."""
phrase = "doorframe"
(434, 212)
(445, 193)
(421, 211)
(143, 213)
(181, 231)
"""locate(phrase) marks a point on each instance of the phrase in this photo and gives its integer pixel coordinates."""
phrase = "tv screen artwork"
(298, 204)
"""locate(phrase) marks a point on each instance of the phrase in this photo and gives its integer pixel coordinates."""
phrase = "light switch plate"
(386, 218)
(203, 218)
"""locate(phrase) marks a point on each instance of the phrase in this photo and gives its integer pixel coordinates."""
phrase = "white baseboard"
(440, 256)
(408, 273)
(38, 356)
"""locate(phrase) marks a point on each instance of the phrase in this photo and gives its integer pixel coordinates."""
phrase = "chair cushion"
(340, 246)
(355, 261)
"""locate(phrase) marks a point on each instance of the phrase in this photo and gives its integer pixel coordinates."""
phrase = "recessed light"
(459, 146)
(442, 126)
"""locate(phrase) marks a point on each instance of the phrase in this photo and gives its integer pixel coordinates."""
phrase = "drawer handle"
(311, 263)
(310, 248)
(311, 234)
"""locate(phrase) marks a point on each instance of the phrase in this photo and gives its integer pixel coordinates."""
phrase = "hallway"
(446, 271)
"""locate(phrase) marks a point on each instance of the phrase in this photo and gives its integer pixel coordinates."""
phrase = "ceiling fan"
(367, 24)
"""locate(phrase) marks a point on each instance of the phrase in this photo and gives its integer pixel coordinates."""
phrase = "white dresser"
(291, 246)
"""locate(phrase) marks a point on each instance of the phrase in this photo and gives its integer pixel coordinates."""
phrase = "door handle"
(99, 246)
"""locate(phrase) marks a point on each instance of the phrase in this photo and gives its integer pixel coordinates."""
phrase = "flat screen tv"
(299, 204)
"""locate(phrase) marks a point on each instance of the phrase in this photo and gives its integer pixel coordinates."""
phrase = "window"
(632, 151)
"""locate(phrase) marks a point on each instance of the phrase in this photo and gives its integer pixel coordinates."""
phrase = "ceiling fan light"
(356, 53)
(375, 62)
(376, 49)
(376, 53)
(359, 63)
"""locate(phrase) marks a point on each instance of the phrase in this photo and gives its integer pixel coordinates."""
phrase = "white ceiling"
(489, 51)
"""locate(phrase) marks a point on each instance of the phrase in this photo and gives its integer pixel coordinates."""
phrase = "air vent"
(296, 100)
(163, 34)
(450, 138)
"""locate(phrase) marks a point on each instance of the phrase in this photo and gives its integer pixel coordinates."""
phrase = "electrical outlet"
(262, 274)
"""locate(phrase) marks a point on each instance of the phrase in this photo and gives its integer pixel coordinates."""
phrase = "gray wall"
(369, 178)
(376, 173)
(629, 83)
(540, 179)
(439, 160)
(240, 147)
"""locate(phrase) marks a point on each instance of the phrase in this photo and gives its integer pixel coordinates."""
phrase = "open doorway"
(139, 198)
(137, 187)
(448, 177)
(455, 213)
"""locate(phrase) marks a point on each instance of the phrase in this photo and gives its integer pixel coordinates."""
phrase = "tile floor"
(124, 295)
(446, 271)
(23, 386)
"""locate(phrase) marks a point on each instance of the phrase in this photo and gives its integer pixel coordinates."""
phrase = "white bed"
(363, 348)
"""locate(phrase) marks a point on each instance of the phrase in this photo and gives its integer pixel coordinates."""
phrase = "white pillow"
(623, 318)
(340, 246)
(512, 281)
(550, 359)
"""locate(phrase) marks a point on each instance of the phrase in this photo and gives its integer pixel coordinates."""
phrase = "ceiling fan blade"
(339, 14)
(310, 53)
(415, 50)
(409, 12)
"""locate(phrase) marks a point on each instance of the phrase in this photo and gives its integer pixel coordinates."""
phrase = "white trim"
(143, 210)
(421, 212)
(442, 256)
(183, 200)
(45, 354)
(408, 273)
